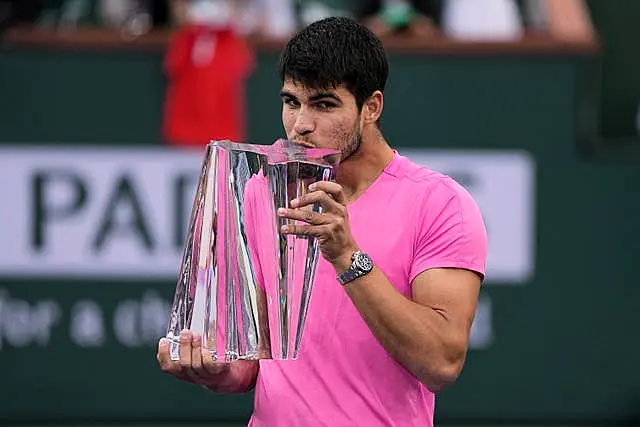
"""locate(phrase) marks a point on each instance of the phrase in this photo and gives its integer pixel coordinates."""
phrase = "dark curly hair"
(336, 51)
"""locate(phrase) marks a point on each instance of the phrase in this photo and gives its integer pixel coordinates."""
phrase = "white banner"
(122, 212)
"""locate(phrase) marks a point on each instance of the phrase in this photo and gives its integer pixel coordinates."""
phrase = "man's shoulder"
(445, 208)
(424, 180)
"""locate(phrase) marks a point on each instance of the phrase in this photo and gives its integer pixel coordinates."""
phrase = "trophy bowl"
(242, 284)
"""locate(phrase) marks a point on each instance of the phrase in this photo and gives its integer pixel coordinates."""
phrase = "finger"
(196, 354)
(210, 366)
(164, 358)
(324, 199)
(304, 215)
(332, 188)
(304, 230)
(186, 338)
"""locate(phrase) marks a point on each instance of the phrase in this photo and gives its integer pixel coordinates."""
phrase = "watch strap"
(354, 271)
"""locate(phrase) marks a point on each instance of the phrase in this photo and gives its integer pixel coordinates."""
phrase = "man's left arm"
(428, 333)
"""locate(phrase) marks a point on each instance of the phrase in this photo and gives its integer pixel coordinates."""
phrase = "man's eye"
(290, 102)
(325, 105)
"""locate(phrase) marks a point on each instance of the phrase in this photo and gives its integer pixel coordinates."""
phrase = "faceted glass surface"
(243, 284)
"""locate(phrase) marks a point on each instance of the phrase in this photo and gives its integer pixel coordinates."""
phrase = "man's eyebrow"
(316, 97)
(323, 95)
(286, 94)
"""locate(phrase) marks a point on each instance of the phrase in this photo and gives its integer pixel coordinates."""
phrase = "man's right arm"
(197, 366)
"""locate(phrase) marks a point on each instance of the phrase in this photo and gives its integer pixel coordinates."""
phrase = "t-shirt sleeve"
(450, 231)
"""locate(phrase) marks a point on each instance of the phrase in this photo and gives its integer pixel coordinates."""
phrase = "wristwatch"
(361, 264)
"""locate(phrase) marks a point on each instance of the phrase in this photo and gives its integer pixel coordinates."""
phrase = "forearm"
(420, 338)
(237, 377)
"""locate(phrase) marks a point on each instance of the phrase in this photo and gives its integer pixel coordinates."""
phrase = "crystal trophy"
(242, 284)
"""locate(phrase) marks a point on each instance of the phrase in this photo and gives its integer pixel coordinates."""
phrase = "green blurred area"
(619, 32)
(546, 361)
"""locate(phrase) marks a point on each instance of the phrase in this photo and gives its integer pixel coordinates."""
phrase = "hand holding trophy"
(195, 365)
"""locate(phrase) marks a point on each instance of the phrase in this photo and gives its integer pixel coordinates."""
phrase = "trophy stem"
(279, 179)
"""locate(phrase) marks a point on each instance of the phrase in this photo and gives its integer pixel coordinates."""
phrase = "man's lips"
(303, 143)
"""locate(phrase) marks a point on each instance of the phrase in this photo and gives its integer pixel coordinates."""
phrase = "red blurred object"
(206, 70)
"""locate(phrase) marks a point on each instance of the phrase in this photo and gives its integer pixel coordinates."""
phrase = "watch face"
(363, 262)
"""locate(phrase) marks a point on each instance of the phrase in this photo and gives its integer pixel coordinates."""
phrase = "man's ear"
(372, 107)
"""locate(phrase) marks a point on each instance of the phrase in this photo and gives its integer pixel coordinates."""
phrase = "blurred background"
(105, 107)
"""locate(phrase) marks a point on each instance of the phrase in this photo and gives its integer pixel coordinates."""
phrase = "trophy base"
(229, 356)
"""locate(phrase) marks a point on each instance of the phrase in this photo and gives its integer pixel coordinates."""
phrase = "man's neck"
(364, 166)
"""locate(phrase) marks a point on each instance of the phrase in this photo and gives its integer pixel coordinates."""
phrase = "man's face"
(321, 118)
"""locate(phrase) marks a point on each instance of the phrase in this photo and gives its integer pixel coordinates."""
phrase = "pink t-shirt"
(410, 219)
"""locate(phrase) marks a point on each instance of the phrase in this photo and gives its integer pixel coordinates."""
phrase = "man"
(403, 257)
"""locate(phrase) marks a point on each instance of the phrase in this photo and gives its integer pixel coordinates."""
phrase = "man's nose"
(304, 122)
